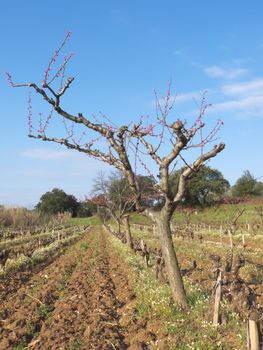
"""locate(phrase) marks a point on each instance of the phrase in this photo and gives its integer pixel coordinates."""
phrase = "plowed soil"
(83, 300)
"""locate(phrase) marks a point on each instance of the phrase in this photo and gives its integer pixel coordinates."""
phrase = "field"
(77, 286)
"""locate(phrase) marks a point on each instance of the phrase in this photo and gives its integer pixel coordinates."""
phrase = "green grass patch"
(75, 344)
(45, 311)
(21, 346)
(182, 329)
(84, 245)
(219, 214)
(92, 220)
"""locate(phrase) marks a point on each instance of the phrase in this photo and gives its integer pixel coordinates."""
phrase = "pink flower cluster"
(9, 79)
(53, 60)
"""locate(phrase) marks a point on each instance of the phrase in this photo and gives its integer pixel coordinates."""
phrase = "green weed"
(75, 344)
(84, 246)
(21, 346)
(45, 311)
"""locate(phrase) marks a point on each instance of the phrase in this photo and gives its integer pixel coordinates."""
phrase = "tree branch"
(194, 167)
(150, 149)
(106, 157)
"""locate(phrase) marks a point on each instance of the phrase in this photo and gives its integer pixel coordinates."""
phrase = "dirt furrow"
(88, 307)
(10, 285)
(67, 328)
(22, 316)
(105, 319)
(87, 317)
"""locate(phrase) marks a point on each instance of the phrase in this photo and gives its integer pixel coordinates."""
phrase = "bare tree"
(164, 142)
(113, 194)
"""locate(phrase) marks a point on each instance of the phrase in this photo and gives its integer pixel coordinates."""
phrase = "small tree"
(57, 201)
(113, 194)
(203, 187)
(245, 186)
(113, 199)
(163, 141)
(259, 188)
(120, 192)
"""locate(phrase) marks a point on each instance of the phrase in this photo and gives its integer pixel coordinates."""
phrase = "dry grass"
(24, 218)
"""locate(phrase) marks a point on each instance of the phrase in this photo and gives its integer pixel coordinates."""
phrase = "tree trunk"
(119, 226)
(117, 220)
(171, 262)
(218, 296)
(128, 235)
(253, 335)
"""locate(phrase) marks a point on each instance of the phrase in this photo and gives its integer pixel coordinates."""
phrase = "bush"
(247, 186)
(86, 209)
(57, 201)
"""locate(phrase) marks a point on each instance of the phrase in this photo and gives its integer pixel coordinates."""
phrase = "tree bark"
(218, 296)
(170, 258)
(119, 226)
(128, 235)
(253, 336)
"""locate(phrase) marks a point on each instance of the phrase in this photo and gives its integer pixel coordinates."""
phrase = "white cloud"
(242, 98)
(252, 105)
(72, 163)
(248, 88)
(46, 154)
(219, 72)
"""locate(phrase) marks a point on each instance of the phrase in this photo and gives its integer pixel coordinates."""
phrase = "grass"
(84, 246)
(212, 215)
(92, 220)
(75, 344)
(180, 329)
(23, 240)
(45, 311)
(32, 329)
(221, 214)
(139, 219)
(21, 346)
(14, 265)
(43, 253)
(39, 255)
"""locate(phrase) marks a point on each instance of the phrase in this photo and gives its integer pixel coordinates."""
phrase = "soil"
(82, 300)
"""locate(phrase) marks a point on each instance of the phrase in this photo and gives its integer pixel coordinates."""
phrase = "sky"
(123, 51)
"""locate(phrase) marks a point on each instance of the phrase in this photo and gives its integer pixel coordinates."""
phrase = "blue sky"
(123, 51)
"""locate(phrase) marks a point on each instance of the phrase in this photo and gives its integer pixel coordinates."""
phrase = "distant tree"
(203, 187)
(86, 209)
(57, 201)
(259, 188)
(246, 186)
(114, 198)
(120, 191)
